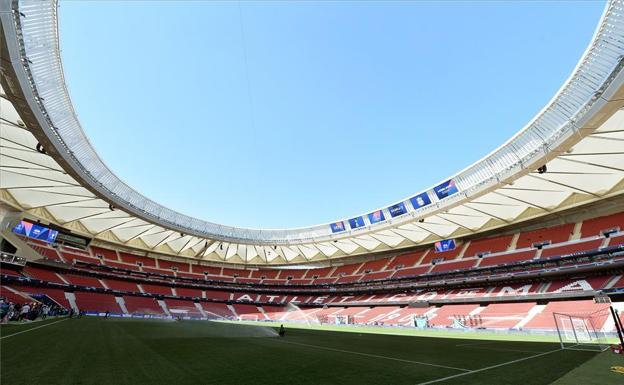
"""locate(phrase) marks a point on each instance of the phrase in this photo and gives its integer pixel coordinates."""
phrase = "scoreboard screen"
(36, 231)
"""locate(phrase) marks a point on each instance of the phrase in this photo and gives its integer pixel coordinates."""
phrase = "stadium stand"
(135, 259)
(488, 246)
(96, 302)
(191, 290)
(142, 305)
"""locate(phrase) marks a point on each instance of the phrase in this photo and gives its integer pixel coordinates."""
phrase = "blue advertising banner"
(398, 209)
(445, 189)
(35, 231)
(445, 245)
(376, 217)
(337, 227)
(420, 200)
(356, 222)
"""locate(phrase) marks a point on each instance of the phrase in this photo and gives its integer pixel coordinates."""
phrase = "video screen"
(398, 209)
(445, 189)
(420, 200)
(337, 227)
(35, 231)
(445, 245)
(376, 217)
(356, 222)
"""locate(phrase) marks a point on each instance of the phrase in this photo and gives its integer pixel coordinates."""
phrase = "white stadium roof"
(579, 136)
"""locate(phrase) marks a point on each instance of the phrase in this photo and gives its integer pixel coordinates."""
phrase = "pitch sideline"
(488, 368)
(36, 327)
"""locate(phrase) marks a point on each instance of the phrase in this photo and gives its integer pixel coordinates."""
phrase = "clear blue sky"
(283, 114)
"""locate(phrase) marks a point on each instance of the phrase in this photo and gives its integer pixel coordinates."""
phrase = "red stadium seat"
(142, 305)
(555, 234)
(96, 302)
(488, 245)
(592, 227)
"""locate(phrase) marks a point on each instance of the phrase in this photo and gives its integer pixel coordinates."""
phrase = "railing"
(37, 31)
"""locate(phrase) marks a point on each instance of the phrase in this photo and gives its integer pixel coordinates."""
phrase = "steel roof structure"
(50, 171)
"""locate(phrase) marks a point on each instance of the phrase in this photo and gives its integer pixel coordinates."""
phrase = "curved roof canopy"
(578, 136)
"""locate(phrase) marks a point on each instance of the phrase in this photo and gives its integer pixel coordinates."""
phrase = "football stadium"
(509, 271)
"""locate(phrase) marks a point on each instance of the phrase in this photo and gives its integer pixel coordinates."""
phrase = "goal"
(582, 331)
(343, 320)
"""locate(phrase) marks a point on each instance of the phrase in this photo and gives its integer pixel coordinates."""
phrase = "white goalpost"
(581, 332)
(342, 320)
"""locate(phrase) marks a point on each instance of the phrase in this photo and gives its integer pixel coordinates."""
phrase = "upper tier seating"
(124, 266)
(445, 255)
(459, 265)
(406, 260)
(319, 273)
(346, 270)
(556, 251)
(488, 246)
(508, 258)
(201, 269)
(291, 273)
(493, 251)
(110, 255)
(164, 264)
(373, 266)
(554, 234)
(591, 227)
(133, 259)
(414, 271)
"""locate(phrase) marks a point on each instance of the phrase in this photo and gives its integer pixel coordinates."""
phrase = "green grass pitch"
(132, 351)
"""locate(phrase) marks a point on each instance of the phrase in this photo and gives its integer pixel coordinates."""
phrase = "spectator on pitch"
(5, 308)
(24, 312)
(282, 331)
(44, 311)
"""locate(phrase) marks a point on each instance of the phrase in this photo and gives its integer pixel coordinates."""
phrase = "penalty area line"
(374, 356)
(488, 367)
(31, 329)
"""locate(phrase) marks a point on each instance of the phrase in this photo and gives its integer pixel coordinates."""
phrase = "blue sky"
(283, 114)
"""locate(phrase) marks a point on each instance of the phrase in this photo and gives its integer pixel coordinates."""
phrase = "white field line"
(374, 356)
(31, 329)
(488, 368)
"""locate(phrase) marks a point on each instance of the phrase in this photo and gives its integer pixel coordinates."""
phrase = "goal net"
(421, 321)
(342, 320)
(582, 331)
